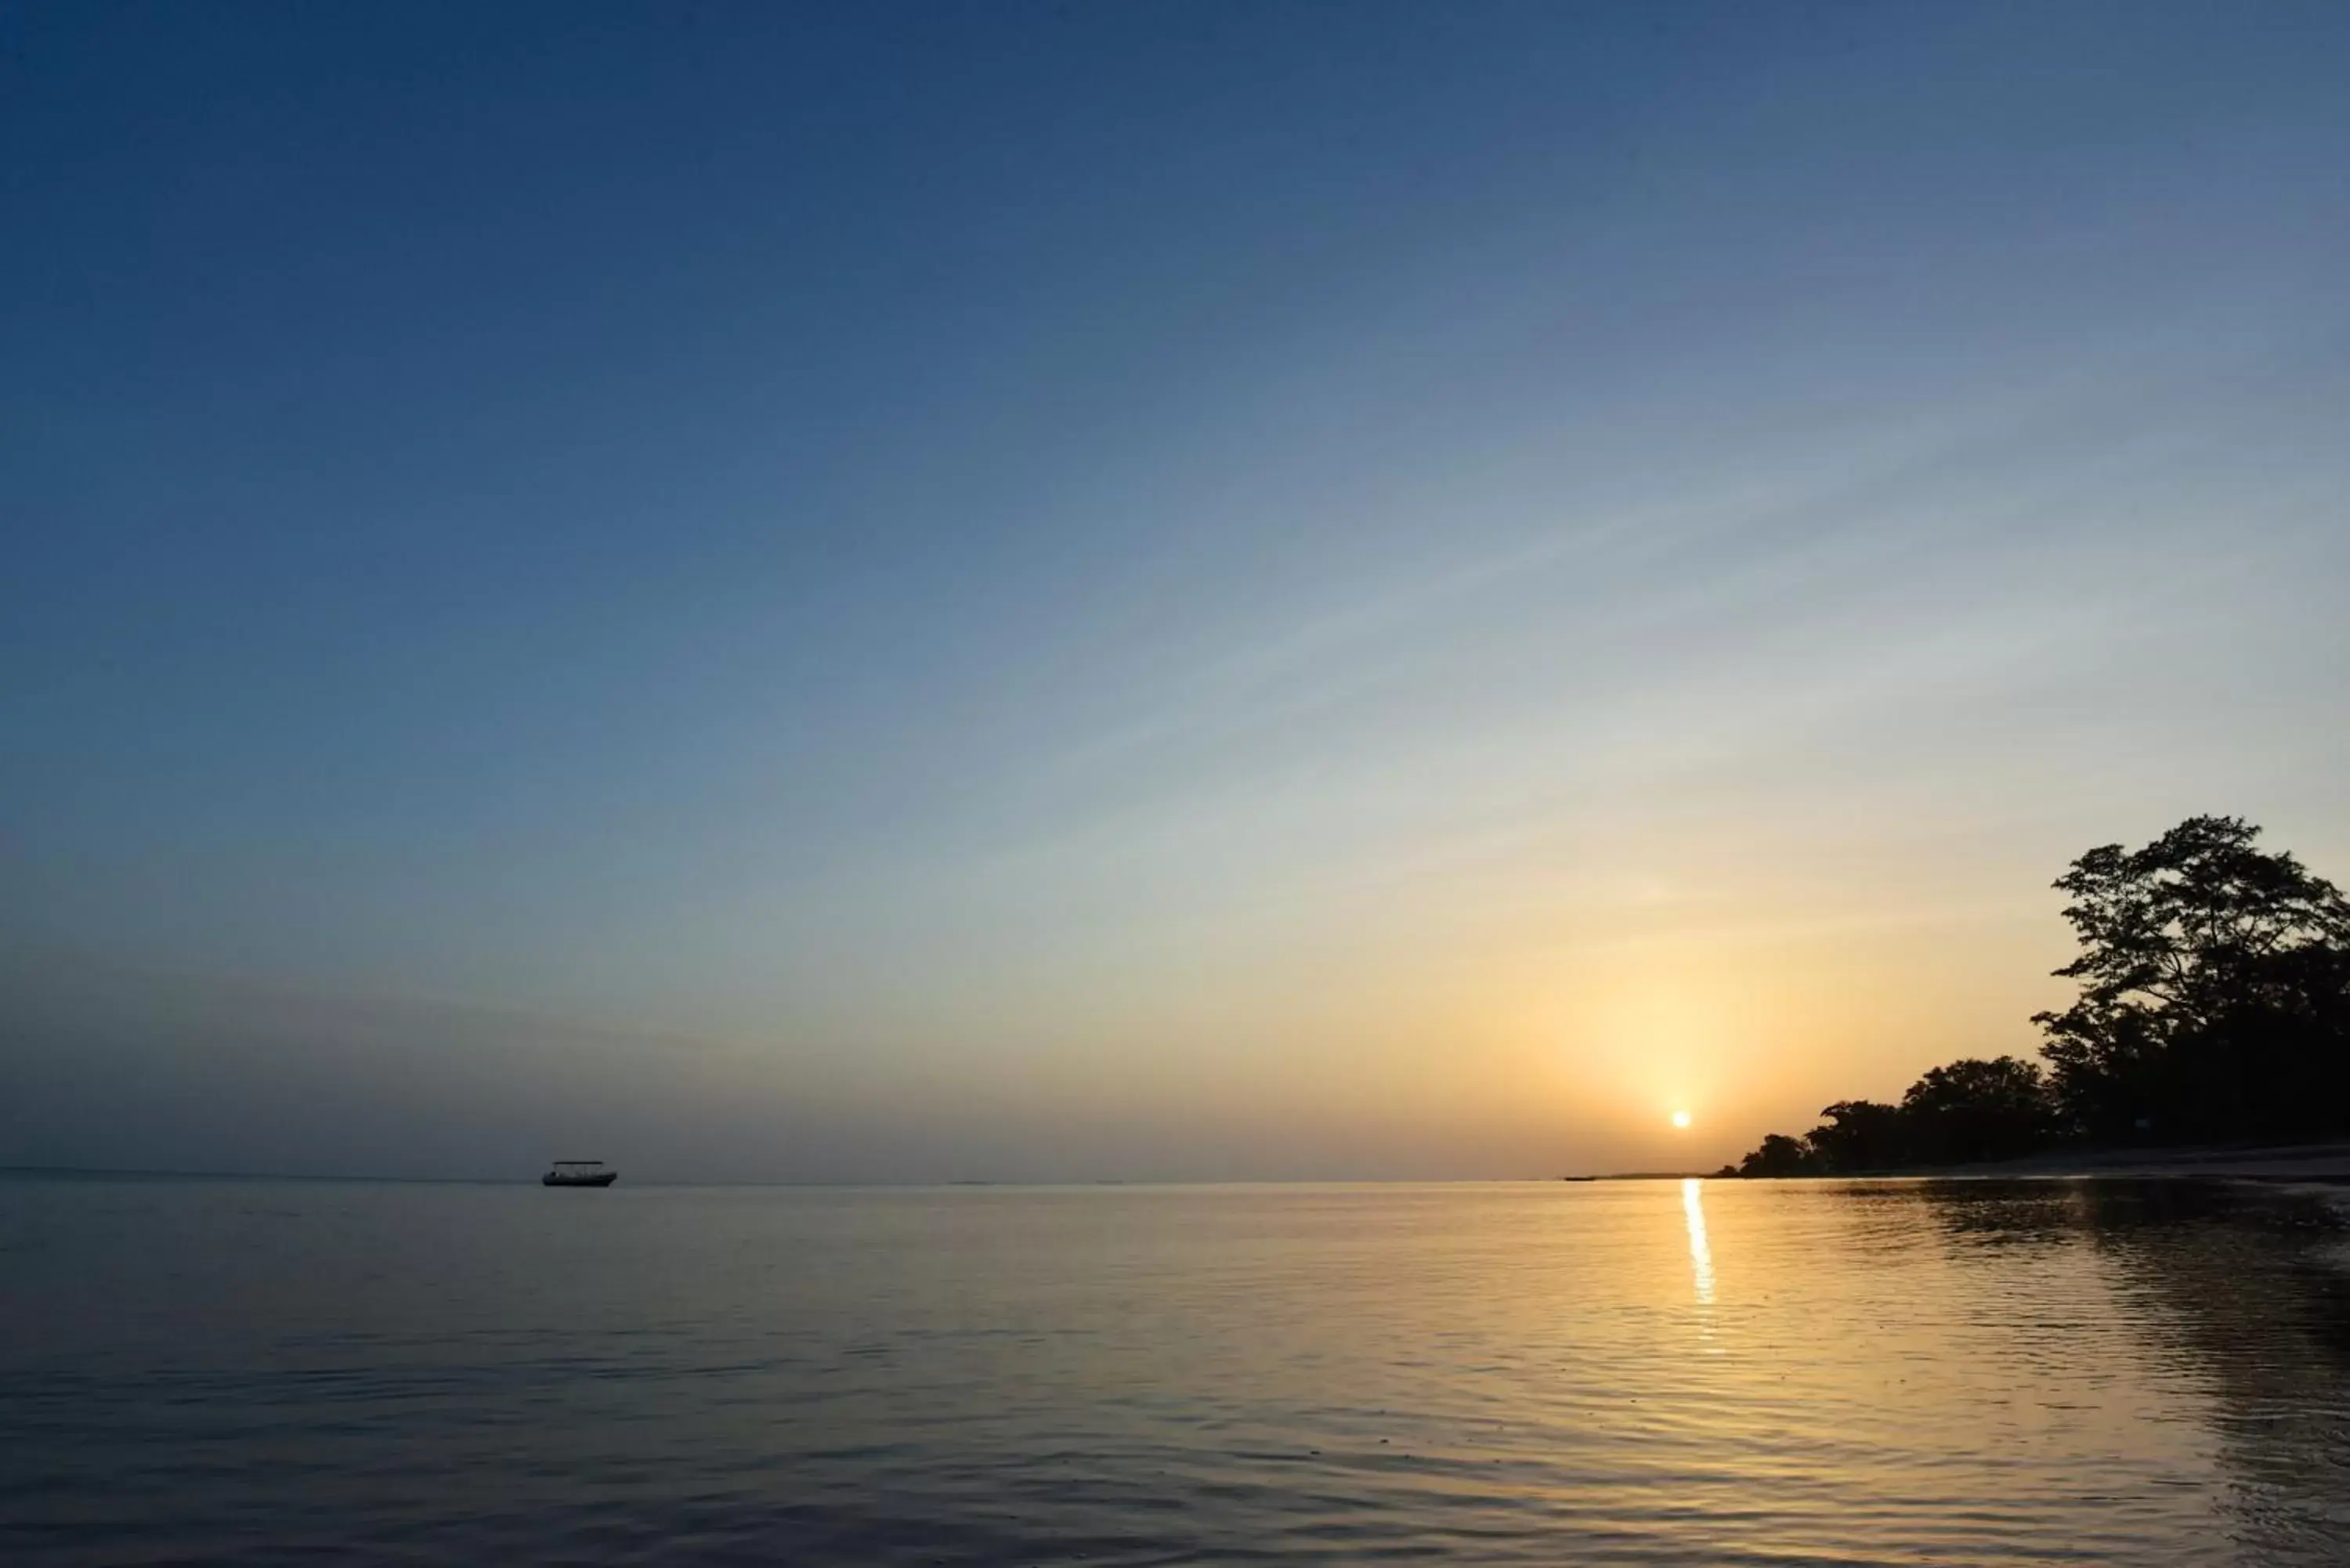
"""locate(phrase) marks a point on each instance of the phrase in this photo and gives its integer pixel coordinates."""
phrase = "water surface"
(2106, 1372)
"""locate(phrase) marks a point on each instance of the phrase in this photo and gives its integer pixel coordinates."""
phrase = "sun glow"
(1680, 1118)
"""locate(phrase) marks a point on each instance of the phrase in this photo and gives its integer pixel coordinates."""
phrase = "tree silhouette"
(1974, 1109)
(2215, 991)
(2215, 1003)
(1779, 1156)
(1862, 1135)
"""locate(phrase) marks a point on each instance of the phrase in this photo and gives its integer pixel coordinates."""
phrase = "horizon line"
(102, 1172)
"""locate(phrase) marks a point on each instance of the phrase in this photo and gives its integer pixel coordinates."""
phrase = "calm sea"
(257, 1372)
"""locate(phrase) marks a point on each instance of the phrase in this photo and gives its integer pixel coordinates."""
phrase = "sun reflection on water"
(1700, 1256)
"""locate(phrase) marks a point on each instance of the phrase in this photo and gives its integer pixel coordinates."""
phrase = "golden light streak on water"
(1701, 1254)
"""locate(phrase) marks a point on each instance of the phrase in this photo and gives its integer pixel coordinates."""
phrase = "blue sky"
(1311, 589)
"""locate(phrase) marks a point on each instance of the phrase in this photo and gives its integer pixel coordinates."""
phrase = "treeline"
(2214, 1007)
(1971, 1110)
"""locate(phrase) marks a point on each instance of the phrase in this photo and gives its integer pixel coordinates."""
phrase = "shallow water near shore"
(1653, 1372)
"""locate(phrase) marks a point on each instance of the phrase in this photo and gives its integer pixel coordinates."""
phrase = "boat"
(580, 1173)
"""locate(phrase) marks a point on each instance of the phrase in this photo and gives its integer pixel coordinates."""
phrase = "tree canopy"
(2215, 991)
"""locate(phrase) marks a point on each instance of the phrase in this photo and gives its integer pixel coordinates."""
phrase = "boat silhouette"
(580, 1173)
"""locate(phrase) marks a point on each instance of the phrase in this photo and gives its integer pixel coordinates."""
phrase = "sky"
(1182, 591)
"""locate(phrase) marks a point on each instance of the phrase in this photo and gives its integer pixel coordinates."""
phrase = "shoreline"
(2286, 1162)
(2321, 1162)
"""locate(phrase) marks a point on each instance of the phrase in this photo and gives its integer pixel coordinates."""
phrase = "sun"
(1680, 1118)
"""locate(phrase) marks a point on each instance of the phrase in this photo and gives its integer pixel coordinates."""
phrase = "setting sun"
(1680, 1118)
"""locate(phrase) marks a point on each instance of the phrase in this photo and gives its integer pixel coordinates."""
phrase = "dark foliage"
(1779, 1156)
(1969, 1110)
(2215, 1005)
(1862, 1135)
(1974, 1109)
(2215, 992)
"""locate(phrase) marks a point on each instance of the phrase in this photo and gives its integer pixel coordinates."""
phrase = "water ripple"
(1636, 1373)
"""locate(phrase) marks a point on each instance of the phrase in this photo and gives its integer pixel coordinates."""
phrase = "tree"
(2215, 991)
(1975, 1110)
(1779, 1156)
(1861, 1135)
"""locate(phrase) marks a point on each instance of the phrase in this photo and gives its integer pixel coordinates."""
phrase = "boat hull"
(600, 1179)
